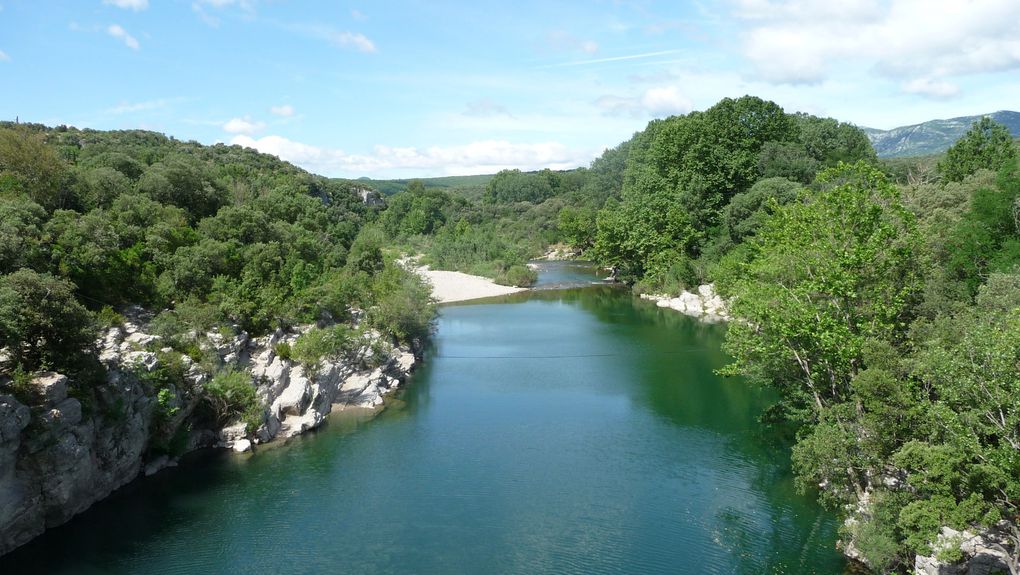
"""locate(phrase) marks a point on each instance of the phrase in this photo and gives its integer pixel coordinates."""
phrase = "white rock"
(294, 398)
(141, 359)
(241, 446)
(233, 433)
(53, 386)
(139, 340)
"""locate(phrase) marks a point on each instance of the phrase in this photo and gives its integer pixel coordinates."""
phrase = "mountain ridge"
(933, 136)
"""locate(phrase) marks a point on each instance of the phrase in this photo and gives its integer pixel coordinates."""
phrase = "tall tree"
(986, 145)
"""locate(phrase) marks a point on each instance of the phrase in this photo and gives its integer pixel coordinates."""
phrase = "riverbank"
(703, 303)
(450, 286)
(62, 450)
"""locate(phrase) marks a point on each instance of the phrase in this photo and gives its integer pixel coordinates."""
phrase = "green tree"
(510, 186)
(986, 145)
(42, 325)
(825, 276)
(29, 166)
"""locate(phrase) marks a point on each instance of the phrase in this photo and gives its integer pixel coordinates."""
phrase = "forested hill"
(471, 187)
(933, 136)
(207, 236)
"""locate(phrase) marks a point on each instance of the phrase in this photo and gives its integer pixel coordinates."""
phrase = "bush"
(403, 307)
(330, 343)
(518, 276)
(42, 324)
(231, 394)
(282, 350)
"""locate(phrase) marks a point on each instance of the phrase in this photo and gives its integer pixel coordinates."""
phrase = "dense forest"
(207, 237)
(880, 299)
(883, 306)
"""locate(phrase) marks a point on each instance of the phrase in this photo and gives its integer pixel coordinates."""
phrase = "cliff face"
(58, 456)
(55, 462)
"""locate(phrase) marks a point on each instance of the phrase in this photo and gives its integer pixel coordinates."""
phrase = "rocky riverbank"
(703, 303)
(63, 449)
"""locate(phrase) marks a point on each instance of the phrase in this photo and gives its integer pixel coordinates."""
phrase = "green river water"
(557, 431)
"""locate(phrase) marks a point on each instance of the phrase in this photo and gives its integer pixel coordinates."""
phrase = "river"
(555, 431)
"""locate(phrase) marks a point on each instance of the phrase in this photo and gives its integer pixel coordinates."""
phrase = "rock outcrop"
(702, 303)
(975, 554)
(59, 453)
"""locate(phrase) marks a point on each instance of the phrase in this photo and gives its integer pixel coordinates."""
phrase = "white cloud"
(122, 34)
(4, 57)
(918, 42)
(343, 39)
(352, 40)
(479, 157)
(931, 87)
(285, 110)
(656, 102)
(136, 5)
(243, 126)
(358, 15)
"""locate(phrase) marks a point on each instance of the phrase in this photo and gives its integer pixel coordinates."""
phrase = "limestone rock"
(703, 303)
(52, 386)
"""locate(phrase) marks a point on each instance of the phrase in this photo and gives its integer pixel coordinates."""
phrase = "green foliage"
(827, 275)
(987, 145)
(577, 226)
(318, 344)
(231, 394)
(28, 166)
(517, 275)
(283, 350)
(403, 305)
(42, 325)
(22, 242)
(748, 210)
(510, 186)
(985, 238)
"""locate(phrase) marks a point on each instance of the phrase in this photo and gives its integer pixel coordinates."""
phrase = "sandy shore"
(456, 286)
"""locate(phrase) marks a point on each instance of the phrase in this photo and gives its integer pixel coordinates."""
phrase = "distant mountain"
(933, 136)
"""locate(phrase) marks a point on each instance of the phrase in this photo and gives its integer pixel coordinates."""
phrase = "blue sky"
(428, 88)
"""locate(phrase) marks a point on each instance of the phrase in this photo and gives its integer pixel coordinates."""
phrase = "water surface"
(573, 431)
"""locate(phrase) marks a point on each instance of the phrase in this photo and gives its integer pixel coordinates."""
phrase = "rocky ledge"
(703, 303)
(63, 449)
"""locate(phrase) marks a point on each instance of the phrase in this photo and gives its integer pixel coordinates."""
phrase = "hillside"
(471, 187)
(933, 136)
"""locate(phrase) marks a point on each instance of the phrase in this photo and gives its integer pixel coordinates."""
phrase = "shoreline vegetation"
(879, 299)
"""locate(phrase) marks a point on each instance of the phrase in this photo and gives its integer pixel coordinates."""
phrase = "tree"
(825, 276)
(986, 145)
(42, 325)
(746, 211)
(578, 226)
(21, 236)
(509, 186)
(28, 165)
(965, 471)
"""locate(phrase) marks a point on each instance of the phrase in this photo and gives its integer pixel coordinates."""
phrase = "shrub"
(230, 394)
(518, 275)
(330, 343)
(282, 350)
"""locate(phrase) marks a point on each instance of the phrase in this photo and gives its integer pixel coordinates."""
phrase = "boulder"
(52, 386)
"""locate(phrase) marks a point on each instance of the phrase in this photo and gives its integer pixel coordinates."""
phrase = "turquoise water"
(575, 431)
